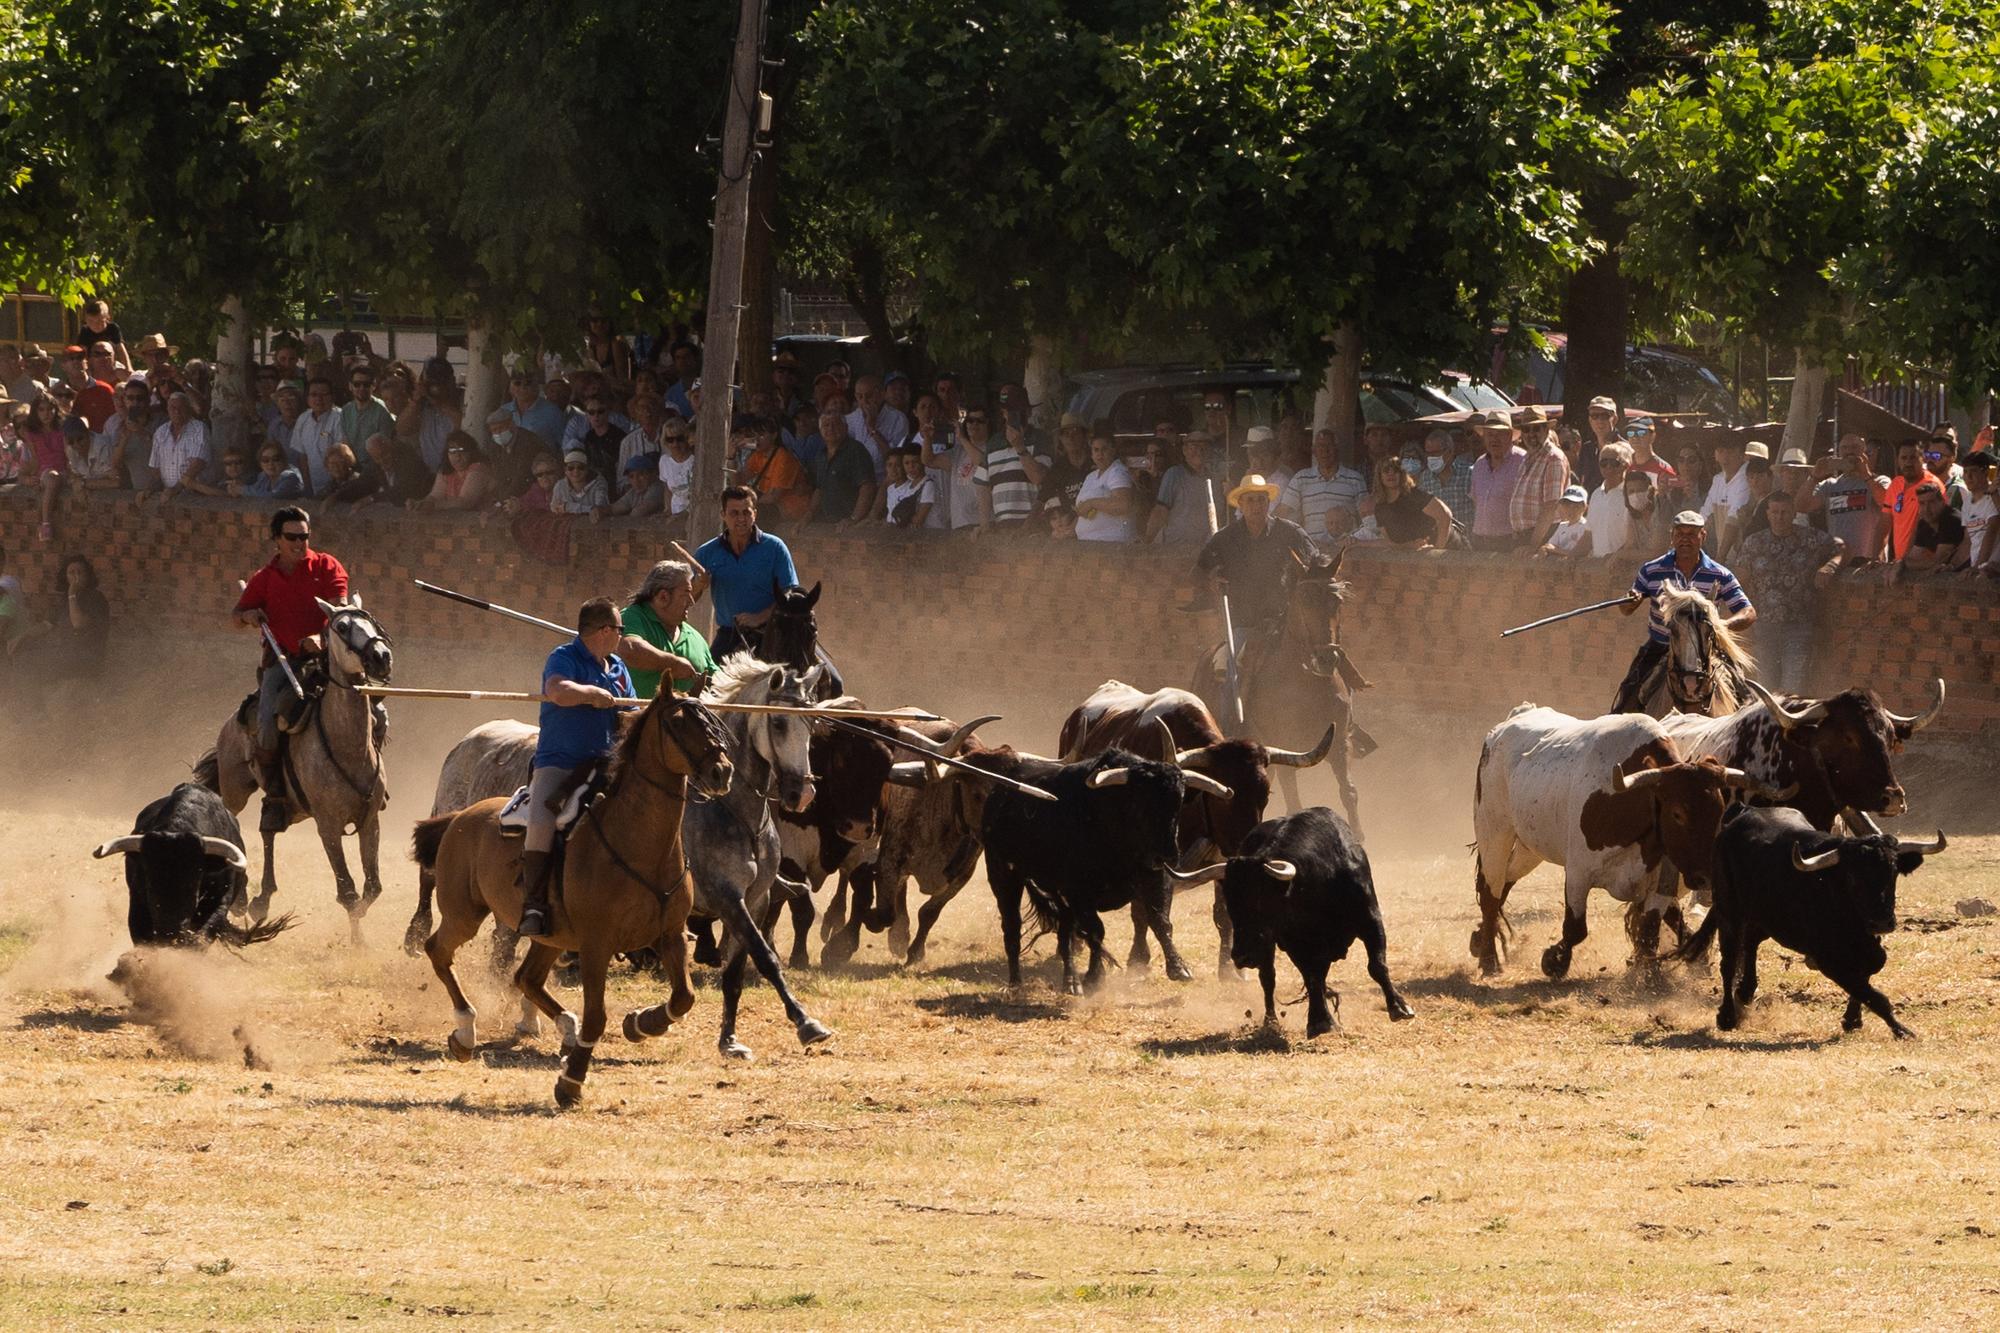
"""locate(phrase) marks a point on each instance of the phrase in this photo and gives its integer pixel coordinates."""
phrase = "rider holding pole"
(747, 569)
(283, 597)
(1247, 561)
(582, 682)
(1685, 566)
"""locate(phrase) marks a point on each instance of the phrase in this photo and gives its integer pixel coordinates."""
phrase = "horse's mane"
(739, 675)
(1674, 601)
(631, 727)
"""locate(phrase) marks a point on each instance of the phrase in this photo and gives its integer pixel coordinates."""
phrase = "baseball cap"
(1603, 404)
(576, 456)
(1576, 493)
(642, 463)
(1982, 458)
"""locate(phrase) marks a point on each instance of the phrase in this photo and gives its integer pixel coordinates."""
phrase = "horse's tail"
(208, 772)
(427, 837)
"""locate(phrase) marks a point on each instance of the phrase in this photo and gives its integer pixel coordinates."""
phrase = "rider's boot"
(277, 814)
(536, 916)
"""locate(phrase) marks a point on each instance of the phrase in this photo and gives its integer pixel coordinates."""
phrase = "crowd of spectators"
(606, 433)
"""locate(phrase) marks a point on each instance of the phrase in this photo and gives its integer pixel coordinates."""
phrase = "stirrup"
(535, 922)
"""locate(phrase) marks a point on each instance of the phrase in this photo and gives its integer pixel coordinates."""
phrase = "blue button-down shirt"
(1711, 580)
(748, 583)
(542, 417)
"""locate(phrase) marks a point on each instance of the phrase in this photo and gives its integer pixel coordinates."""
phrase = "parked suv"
(1135, 398)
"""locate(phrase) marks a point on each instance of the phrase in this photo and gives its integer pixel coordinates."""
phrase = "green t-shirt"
(685, 641)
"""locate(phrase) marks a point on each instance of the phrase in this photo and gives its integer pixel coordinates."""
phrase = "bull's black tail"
(208, 772)
(427, 837)
(223, 931)
(1694, 949)
(1048, 912)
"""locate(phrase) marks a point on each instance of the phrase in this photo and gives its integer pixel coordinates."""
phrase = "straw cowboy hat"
(155, 342)
(1253, 483)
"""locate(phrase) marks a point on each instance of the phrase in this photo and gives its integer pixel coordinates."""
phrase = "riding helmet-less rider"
(285, 594)
(1685, 566)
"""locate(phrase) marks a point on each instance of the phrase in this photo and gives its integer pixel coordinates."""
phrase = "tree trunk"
(1597, 313)
(229, 409)
(1337, 406)
(866, 287)
(1808, 399)
(760, 278)
(483, 377)
(1042, 378)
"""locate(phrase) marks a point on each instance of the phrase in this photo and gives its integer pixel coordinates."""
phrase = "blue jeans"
(274, 696)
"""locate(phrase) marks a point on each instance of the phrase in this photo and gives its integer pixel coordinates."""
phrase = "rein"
(678, 791)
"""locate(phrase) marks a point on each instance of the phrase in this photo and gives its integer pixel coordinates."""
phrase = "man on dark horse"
(285, 595)
(582, 682)
(1249, 560)
(1686, 566)
(745, 568)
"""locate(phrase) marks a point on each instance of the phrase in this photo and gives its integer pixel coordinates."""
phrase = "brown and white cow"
(1175, 726)
(1605, 798)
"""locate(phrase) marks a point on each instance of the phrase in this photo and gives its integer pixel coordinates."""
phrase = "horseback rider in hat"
(582, 682)
(285, 595)
(1685, 566)
(1248, 560)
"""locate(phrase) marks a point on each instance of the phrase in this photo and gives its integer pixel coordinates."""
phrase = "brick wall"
(1051, 619)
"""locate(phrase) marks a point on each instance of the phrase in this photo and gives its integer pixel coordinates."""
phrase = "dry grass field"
(1584, 1154)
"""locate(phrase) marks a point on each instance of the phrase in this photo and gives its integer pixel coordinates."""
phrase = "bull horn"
(956, 741)
(1109, 777)
(128, 844)
(1927, 848)
(1736, 777)
(1183, 758)
(1203, 782)
(225, 850)
(1786, 721)
(1928, 716)
(1281, 869)
(1304, 758)
(1168, 751)
(1205, 875)
(1826, 860)
(1645, 777)
(1861, 821)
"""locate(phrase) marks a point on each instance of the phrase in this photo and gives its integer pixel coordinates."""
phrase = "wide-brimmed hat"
(155, 342)
(1071, 421)
(1260, 435)
(1757, 449)
(1531, 416)
(1253, 482)
(1690, 518)
(1793, 458)
(1494, 420)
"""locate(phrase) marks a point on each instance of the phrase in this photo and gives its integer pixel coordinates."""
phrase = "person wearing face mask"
(513, 452)
(1645, 525)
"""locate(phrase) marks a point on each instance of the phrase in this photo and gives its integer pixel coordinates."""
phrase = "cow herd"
(1763, 816)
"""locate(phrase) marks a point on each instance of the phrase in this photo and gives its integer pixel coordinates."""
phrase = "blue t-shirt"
(746, 584)
(576, 734)
(542, 417)
(1710, 579)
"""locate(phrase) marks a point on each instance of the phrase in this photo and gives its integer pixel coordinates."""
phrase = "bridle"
(1696, 685)
(680, 787)
(338, 624)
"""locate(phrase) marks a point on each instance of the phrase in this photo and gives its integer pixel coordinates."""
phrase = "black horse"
(791, 638)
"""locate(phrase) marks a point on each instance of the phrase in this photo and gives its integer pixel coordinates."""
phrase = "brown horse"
(624, 886)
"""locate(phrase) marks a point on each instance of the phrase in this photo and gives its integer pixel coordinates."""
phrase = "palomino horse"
(1706, 665)
(624, 886)
(1296, 681)
(333, 766)
(733, 845)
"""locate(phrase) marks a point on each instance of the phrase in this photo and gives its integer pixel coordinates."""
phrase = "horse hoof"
(419, 930)
(569, 1092)
(528, 1025)
(1178, 971)
(1401, 1010)
(369, 893)
(733, 1049)
(1489, 966)
(459, 1050)
(812, 1032)
(260, 907)
(1555, 962)
(1071, 986)
(631, 1028)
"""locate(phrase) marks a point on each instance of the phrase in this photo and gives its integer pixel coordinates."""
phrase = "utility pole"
(725, 274)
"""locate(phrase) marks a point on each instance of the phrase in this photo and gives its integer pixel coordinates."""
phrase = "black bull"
(184, 866)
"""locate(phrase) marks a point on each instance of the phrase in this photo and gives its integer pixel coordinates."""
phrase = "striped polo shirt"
(1013, 493)
(1710, 579)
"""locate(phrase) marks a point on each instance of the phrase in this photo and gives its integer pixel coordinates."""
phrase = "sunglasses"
(545, 473)
(295, 536)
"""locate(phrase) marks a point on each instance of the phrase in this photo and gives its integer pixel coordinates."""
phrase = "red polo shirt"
(287, 600)
(95, 402)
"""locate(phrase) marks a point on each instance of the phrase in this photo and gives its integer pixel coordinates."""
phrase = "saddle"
(568, 802)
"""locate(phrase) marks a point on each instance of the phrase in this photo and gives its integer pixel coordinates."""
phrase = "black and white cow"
(1302, 884)
(1826, 897)
(184, 866)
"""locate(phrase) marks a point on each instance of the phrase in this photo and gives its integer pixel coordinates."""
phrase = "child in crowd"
(912, 495)
(1570, 538)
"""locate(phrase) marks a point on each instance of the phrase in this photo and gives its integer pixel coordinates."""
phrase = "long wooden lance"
(523, 697)
(933, 757)
(495, 607)
(1565, 615)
